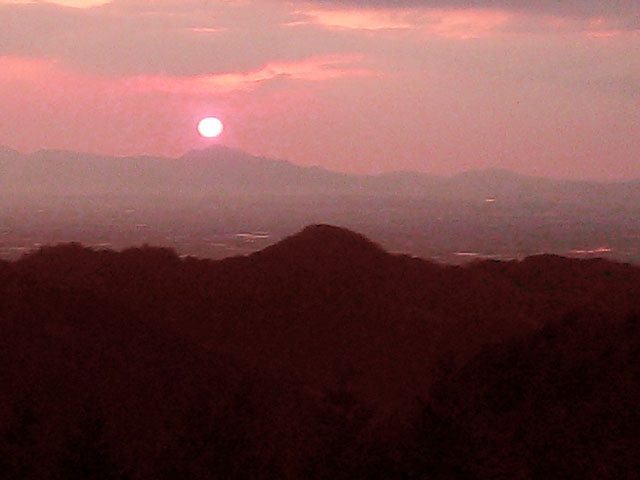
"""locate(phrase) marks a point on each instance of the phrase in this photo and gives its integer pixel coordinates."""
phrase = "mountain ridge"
(226, 155)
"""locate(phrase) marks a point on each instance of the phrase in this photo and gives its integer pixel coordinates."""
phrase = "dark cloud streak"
(578, 8)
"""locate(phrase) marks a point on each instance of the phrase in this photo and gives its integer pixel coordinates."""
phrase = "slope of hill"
(558, 403)
(322, 356)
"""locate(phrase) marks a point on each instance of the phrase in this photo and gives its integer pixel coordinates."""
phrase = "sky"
(549, 88)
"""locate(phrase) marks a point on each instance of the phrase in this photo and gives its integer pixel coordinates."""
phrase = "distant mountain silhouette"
(499, 182)
(222, 170)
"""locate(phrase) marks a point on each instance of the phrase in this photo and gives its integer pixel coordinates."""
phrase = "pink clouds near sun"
(55, 107)
(52, 107)
(349, 84)
(313, 69)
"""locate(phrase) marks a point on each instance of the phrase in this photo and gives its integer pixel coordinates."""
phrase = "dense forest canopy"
(322, 356)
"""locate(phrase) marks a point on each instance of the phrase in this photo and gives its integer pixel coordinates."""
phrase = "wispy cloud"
(64, 3)
(312, 69)
(352, 19)
(160, 37)
(630, 9)
(368, 85)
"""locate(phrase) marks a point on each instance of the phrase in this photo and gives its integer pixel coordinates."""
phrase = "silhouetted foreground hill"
(322, 356)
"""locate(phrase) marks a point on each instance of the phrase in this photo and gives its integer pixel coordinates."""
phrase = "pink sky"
(439, 86)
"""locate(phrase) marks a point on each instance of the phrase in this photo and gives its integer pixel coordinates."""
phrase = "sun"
(210, 127)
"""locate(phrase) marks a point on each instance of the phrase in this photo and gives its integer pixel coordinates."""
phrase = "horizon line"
(359, 174)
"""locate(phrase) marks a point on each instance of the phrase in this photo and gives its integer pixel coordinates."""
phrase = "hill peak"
(324, 241)
(331, 233)
(221, 152)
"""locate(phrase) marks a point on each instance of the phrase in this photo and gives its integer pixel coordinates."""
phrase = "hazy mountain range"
(209, 203)
(221, 170)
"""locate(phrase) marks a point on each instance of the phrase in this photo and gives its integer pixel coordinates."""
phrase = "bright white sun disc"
(210, 127)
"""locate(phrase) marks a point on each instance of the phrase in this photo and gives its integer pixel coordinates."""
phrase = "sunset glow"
(537, 87)
(64, 3)
(319, 239)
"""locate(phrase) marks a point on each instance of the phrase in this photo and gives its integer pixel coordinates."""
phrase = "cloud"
(164, 36)
(461, 24)
(457, 19)
(353, 19)
(79, 3)
(199, 38)
(586, 8)
(625, 14)
(310, 70)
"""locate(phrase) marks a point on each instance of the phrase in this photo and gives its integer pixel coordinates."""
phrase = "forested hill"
(322, 356)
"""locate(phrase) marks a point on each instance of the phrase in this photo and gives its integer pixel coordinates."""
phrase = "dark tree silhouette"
(87, 454)
(140, 364)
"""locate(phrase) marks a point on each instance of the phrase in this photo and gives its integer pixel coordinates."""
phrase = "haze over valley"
(221, 202)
